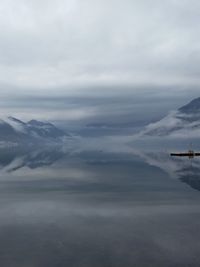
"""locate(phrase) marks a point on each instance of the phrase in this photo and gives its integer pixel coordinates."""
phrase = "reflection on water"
(95, 208)
(191, 176)
(185, 169)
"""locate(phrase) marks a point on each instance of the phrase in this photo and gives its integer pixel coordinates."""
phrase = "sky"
(97, 51)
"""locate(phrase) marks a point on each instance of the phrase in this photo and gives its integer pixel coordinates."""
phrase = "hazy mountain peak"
(184, 122)
(192, 107)
(16, 131)
(45, 129)
(15, 120)
(39, 123)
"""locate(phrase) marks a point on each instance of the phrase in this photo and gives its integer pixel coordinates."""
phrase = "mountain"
(184, 122)
(15, 131)
(191, 108)
(44, 129)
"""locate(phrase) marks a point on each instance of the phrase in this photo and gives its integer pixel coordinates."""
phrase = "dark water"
(98, 209)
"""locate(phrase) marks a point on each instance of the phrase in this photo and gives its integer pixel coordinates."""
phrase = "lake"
(97, 208)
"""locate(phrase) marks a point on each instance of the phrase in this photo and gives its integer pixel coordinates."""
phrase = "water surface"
(98, 209)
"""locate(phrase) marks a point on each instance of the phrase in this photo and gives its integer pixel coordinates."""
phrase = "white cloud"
(65, 42)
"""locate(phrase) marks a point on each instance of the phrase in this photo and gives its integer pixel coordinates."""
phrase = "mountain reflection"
(14, 159)
(191, 176)
(184, 169)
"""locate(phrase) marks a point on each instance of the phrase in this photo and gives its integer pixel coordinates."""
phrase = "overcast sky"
(97, 47)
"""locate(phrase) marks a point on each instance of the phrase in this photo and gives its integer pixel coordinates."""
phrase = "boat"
(190, 154)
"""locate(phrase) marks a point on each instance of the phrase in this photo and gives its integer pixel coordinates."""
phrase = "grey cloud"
(115, 106)
(97, 60)
(47, 43)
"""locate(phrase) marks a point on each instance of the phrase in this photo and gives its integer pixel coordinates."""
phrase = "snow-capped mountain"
(13, 130)
(185, 122)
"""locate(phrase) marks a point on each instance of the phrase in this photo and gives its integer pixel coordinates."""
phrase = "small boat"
(190, 154)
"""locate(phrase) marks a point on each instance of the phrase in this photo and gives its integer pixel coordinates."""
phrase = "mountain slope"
(191, 108)
(44, 129)
(184, 122)
(16, 131)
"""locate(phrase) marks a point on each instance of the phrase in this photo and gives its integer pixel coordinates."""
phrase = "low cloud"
(175, 125)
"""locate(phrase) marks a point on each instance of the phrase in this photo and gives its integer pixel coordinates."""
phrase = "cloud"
(71, 43)
(90, 50)
(175, 125)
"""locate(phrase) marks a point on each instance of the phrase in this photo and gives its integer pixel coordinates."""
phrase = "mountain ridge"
(192, 107)
(183, 122)
(17, 131)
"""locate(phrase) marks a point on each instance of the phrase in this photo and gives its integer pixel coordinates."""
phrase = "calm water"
(98, 209)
